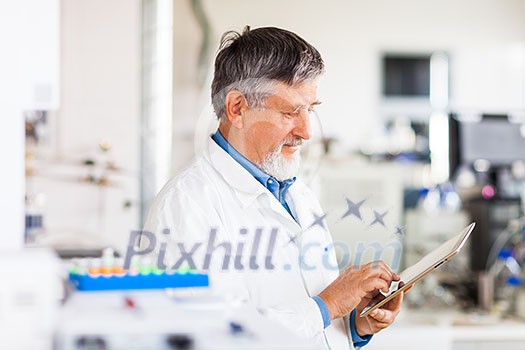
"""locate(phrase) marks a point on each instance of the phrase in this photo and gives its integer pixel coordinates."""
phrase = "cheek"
(267, 133)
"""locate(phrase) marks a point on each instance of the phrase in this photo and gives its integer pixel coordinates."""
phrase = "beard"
(280, 167)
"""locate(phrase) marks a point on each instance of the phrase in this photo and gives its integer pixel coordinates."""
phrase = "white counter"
(442, 330)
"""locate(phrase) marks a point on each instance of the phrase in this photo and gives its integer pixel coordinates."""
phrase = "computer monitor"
(493, 138)
(499, 141)
(406, 75)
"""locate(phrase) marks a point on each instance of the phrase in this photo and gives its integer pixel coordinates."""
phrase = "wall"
(100, 100)
(29, 81)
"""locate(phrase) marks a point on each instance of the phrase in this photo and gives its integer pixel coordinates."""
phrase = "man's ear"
(235, 107)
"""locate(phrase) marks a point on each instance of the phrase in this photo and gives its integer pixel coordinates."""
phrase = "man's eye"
(297, 113)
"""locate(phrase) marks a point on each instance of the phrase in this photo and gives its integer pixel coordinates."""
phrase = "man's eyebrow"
(299, 106)
(315, 103)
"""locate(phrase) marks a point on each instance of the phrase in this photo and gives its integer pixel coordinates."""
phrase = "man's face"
(274, 135)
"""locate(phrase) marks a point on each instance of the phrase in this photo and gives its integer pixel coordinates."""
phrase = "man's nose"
(303, 127)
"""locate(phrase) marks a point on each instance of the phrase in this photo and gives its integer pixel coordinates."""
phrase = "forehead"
(303, 94)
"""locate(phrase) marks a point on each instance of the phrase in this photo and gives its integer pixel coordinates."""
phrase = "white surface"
(29, 298)
(447, 330)
(155, 315)
(12, 177)
(39, 40)
(29, 80)
(100, 100)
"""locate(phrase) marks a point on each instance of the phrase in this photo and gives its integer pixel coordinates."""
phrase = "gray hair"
(253, 61)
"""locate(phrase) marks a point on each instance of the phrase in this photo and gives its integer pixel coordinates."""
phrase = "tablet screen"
(424, 266)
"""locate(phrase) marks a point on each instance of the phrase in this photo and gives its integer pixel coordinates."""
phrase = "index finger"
(381, 271)
(380, 264)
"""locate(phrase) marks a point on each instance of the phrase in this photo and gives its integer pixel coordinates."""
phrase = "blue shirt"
(279, 189)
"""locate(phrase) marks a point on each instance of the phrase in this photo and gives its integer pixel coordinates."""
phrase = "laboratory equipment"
(406, 75)
(108, 273)
(520, 302)
(492, 217)
(30, 292)
(492, 147)
(490, 137)
(506, 274)
(488, 148)
(149, 278)
(34, 219)
(135, 320)
(502, 277)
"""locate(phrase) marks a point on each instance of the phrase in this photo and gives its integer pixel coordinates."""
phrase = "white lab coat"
(217, 192)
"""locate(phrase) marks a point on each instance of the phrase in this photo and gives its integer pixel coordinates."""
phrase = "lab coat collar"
(247, 188)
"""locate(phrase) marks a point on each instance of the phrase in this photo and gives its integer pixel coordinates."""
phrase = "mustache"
(296, 141)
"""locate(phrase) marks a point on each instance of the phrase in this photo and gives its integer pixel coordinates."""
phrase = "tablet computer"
(423, 267)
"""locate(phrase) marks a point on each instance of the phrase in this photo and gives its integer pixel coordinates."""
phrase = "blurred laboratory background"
(423, 119)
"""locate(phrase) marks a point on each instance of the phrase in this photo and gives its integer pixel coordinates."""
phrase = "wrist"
(362, 337)
(359, 327)
(328, 302)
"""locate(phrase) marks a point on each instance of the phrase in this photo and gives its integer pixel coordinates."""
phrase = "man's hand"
(378, 319)
(355, 284)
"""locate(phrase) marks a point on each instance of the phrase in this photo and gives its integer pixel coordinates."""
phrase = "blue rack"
(127, 282)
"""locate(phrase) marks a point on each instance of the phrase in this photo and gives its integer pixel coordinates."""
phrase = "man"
(241, 199)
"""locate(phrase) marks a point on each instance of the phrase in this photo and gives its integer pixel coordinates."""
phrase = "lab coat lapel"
(274, 205)
(312, 239)
(300, 205)
(247, 189)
